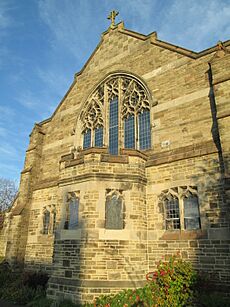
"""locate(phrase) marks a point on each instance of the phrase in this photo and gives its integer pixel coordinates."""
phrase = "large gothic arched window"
(117, 115)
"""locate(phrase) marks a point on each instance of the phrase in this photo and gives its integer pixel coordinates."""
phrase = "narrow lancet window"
(98, 132)
(191, 212)
(87, 139)
(172, 213)
(113, 127)
(130, 132)
(46, 222)
(144, 130)
(114, 211)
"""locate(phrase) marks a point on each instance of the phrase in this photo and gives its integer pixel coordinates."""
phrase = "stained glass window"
(46, 222)
(191, 212)
(73, 213)
(130, 132)
(98, 137)
(113, 127)
(87, 139)
(144, 130)
(113, 213)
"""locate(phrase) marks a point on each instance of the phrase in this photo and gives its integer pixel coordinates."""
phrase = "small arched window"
(114, 210)
(49, 219)
(181, 207)
(191, 212)
(72, 211)
(117, 115)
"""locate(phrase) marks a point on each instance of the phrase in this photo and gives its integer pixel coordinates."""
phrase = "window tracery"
(181, 207)
(119, 107)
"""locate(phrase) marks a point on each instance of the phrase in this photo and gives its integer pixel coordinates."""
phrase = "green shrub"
(15, 287)
(170, 285)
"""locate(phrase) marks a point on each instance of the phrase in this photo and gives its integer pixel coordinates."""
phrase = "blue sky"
(43, 43)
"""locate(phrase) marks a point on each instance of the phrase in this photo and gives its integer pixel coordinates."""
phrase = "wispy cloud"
(69, 24)
(5, 19)
(54, 80)
(196, 24)
(29, 100)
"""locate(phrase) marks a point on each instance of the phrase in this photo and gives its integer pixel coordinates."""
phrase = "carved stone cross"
(112, 17)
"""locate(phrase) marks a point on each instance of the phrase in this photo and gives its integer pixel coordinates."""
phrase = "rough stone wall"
(190, 147)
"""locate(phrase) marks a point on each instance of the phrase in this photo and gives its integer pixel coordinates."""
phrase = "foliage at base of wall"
(21, 287)
(173, 284)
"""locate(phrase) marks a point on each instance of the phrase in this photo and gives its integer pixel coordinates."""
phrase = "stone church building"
(134, 164)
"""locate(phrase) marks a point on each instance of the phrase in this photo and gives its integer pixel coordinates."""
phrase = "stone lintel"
(93, 150)
(97, 283)
(46, 184)
(184, 235)
(134, 153)
(74, 162)
(104, 176)
(190, 151)
(114, 159)
(67, 157)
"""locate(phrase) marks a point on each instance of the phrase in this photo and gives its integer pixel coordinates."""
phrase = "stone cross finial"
(112, 17)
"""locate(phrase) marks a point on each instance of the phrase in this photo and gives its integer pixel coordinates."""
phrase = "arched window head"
(117, 115)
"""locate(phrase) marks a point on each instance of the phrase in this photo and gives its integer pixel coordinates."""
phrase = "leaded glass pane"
(130, 132)
(113, 127)
(87, 139)
(144, 130)
(172, 213)
(113, 213)
(191, 212)
(99, 137)
(46, 222)
(73, 213)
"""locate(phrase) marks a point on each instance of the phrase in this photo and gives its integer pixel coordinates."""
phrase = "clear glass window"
(130, 132)
(144, 130)
(113, 127)
(172, 213)
(191, 212)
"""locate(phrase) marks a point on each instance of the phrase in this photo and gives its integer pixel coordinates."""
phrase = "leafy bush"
(15, 287)
(170, 285)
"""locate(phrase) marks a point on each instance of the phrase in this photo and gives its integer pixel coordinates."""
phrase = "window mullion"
(181, 206)
(136, 131)
(119, 116)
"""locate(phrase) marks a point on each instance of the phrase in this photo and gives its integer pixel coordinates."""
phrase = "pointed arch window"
(46, 222)
(114, 210)
(117, 115)
(48, 219)
(113, 126)
(72, 210)
(181, 207)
